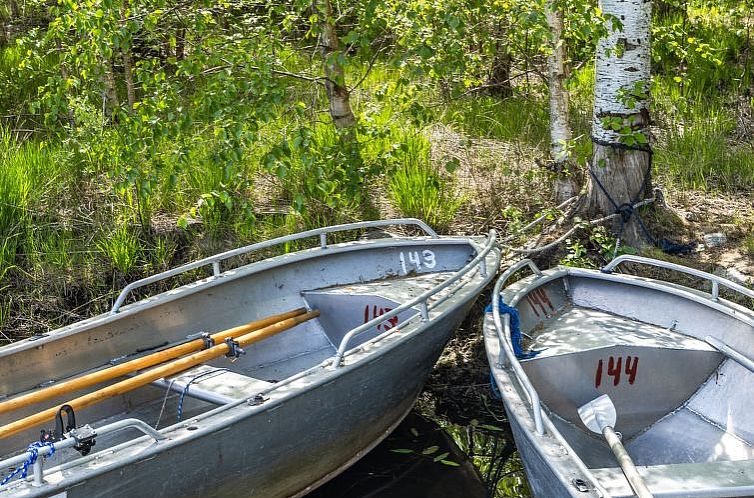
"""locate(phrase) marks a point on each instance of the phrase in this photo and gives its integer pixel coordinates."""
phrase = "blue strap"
(23, 469)
(515, 330)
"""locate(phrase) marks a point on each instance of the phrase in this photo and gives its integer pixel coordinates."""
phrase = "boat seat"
(684, 479)
(345, 307)
(213, 384)
(648, 371)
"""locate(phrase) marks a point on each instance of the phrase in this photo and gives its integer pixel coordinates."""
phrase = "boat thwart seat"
(722, 478)
(214, 384)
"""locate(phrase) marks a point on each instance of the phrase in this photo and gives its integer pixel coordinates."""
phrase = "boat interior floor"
(652, 374)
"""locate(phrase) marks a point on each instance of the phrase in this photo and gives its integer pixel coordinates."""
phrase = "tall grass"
(514, 119)
(418, 190)
(696, 147)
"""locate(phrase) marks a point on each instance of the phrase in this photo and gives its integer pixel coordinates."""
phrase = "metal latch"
(84, 437)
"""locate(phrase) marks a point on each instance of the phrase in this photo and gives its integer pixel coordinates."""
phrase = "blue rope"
(515, 330)
(188, 384)
(33, 451)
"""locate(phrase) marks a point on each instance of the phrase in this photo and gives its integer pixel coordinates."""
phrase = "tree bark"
(560, 130)
(329, 46)
(14, 12)
(622, 67)
(499, 82)
(111, 91)
(128, 74)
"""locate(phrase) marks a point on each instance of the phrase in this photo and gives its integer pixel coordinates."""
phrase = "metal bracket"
(84, 437)
(208, 340)
(234, 349)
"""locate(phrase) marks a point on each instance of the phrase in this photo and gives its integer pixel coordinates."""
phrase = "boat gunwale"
(241, 409)
(227, 276)
(518, 290)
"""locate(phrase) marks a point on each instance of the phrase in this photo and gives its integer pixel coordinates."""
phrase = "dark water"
(421, 458)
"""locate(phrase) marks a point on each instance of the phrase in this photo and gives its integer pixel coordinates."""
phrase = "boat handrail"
(503, 333)
(515, 268)
(73, 439)
(715, 280)
(479, 261)
(731, 353)
(218, 258)
(540, 419)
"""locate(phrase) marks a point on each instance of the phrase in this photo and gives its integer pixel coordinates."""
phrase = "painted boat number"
(614, 369)
(413, 258)
(372, 311)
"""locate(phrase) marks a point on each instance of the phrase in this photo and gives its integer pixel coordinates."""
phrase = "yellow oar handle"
(128, 367)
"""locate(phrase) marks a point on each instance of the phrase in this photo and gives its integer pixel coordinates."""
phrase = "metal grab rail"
(503, 334)
(217, 258)
(479, 260)
(71, 441)
(731, 353)
(714, 279)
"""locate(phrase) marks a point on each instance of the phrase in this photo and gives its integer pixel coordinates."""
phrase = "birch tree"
(329, 45)
(560, 130)
(621, 158)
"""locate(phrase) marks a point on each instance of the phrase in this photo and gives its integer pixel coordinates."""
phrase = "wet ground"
(423, 459)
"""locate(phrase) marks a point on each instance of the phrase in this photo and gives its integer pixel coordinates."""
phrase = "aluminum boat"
(296, 409)
(675, 362)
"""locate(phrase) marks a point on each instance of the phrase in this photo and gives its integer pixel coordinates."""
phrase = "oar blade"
(598, 414)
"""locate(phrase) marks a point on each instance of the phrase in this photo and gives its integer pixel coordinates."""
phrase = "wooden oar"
(159, 372)
(128, 367)
(599, 416)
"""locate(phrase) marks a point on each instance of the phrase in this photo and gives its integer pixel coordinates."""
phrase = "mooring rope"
(33, 451)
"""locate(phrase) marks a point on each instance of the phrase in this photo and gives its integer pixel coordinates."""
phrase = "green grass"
(516, 119)
(418, 190)
(695, 149)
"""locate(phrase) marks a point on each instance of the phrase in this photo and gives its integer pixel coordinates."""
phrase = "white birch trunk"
(560, 131)
(329, 45)
(622, 64)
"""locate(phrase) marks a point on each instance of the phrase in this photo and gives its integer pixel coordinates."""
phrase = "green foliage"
(418, 190)
(122, 249)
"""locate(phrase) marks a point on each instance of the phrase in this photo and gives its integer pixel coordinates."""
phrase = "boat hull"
(683, 414)
(278, 452)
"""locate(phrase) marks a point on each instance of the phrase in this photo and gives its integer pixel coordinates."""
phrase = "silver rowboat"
(676, 363)
(295, 410)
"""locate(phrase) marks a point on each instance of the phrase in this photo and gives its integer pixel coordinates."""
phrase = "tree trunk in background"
(500, 77)
(128, 74)
(14, 12)
(335, 84)
(180, 44)
(560, 130)
(111, 91)
(622, 65)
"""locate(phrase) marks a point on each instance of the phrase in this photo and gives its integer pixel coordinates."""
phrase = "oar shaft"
(128, 367)
(159, 372)
(626, 464)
